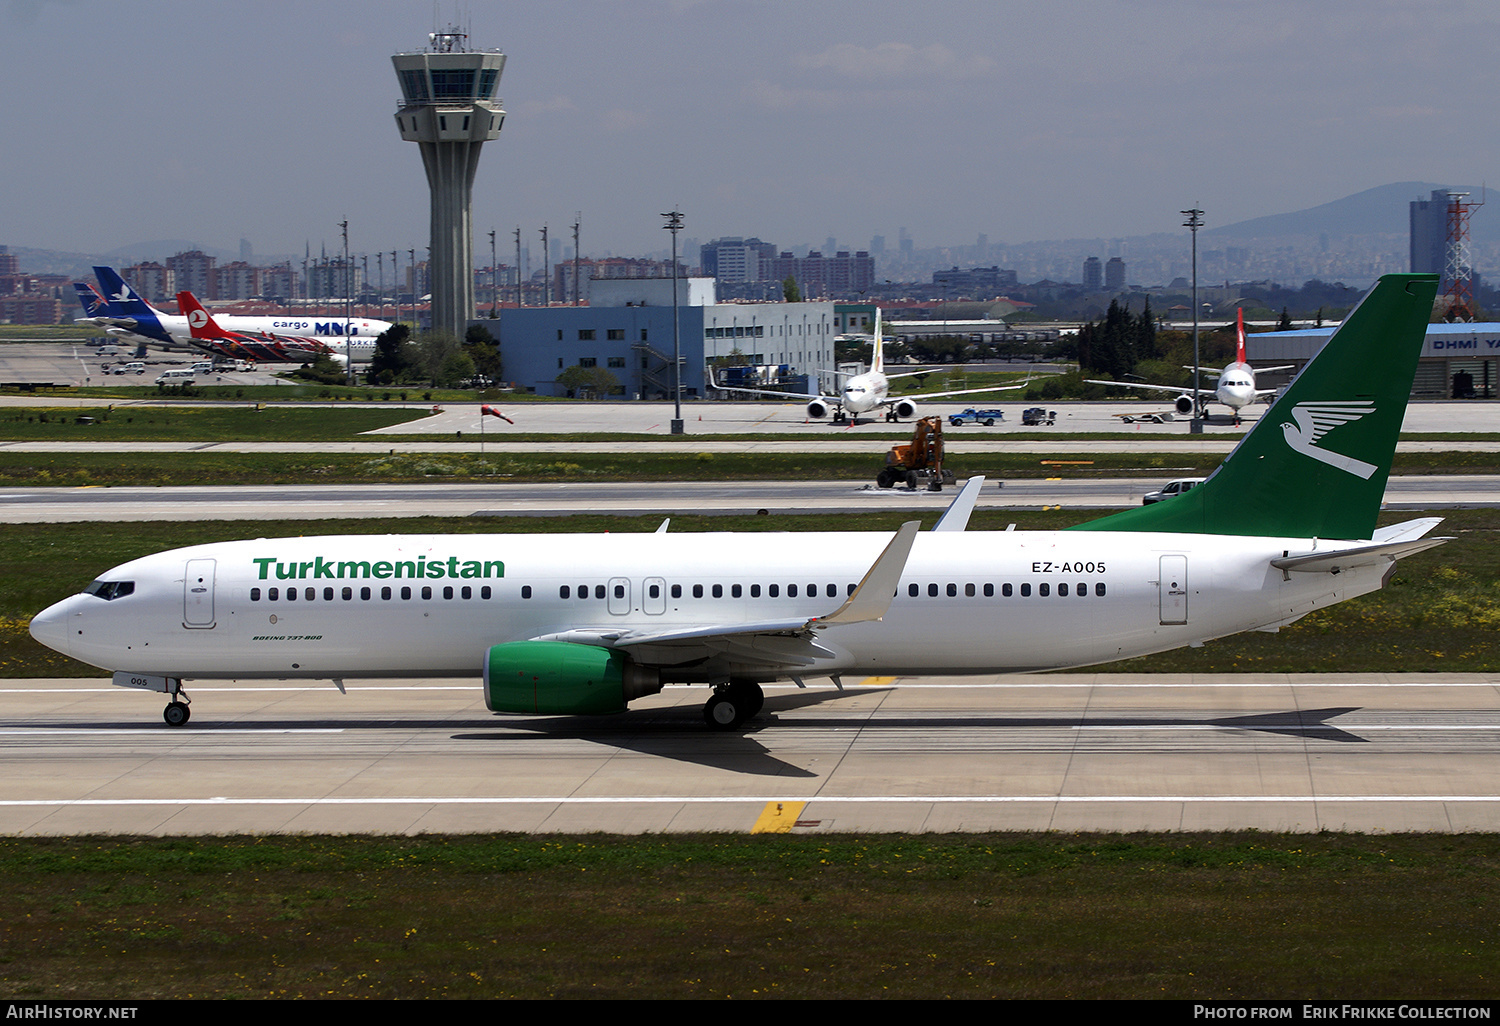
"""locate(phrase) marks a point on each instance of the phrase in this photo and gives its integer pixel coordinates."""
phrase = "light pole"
(674, 225)
(1193, 223)
(494, 278)
(348, 298)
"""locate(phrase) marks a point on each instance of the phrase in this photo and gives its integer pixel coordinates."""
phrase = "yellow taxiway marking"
(876, 682)
(778, 818)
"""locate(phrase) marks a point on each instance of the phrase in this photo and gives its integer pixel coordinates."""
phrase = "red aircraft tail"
(200, 322)
(1239, 349)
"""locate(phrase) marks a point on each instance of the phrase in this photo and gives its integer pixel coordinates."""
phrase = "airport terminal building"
(1459, 361)
(627, 330)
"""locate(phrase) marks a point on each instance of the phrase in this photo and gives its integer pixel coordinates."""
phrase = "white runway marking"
(1190, 799)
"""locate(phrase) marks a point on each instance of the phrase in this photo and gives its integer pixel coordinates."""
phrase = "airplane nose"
(50, 627)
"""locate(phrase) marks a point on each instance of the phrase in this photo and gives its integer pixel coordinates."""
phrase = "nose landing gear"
(177, 712)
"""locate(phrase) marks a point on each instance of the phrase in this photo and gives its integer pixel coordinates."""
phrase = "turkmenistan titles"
(420, 568)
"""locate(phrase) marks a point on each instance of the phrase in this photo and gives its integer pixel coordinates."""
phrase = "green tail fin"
(1316, 463)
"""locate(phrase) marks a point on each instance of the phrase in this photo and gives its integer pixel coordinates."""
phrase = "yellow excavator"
(920, 461)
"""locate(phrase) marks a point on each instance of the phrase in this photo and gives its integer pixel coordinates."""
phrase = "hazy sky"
(125, 122)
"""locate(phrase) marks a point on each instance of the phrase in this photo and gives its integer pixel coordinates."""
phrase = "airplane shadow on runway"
(678, 732)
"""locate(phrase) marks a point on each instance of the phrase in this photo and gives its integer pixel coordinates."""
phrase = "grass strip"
(77, 469)
(1181, 916)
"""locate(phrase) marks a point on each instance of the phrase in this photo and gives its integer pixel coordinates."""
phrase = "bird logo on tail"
(1314, 420)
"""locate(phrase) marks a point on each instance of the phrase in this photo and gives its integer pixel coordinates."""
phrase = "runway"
(1084, 752)
(72, 505)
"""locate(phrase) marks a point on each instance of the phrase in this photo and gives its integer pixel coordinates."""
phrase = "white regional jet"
(1236, 382)
(866, 392)
(562, 624)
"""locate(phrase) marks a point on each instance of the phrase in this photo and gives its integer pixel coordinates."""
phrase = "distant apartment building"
(1093, 274)
(237, 280)
(974, 282)
(1429, 234)
(1114, 274)
(31, 308)
(328, 279)
(194, 272)
(281, 281)
(734, 260)
(153, 282)
(10, 264)
(819, 276)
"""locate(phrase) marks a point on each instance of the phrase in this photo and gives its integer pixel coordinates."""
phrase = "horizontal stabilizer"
(1348, 559)
(1406, 530)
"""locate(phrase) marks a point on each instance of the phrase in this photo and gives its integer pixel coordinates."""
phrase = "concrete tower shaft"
(449, 109)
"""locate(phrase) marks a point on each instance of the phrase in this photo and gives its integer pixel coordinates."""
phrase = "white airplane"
(1236, 382)
(564, 624)
(121, 310)
(866, 392)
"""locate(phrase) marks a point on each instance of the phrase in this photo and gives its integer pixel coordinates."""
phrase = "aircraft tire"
(723, 712)
(177, 714)
(749, 696)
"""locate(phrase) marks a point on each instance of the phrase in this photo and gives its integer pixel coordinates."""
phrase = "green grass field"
(1185, 917)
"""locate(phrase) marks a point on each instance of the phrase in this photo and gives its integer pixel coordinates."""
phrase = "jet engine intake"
(905, 409)
(817, 409)
(1184, 404)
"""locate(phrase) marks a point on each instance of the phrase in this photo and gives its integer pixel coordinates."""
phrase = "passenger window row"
(365, 594)
(1007, 590)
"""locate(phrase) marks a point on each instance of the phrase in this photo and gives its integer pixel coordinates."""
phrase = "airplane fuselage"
(865, 392)
(1236, 387)
(967, 602)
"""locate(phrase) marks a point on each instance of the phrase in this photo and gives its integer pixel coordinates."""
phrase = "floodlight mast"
(1193, 223)
(674, 225)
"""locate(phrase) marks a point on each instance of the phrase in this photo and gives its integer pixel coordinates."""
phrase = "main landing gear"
(732, 704)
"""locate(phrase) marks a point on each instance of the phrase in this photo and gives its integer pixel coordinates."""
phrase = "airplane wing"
(774, 395)
(1180, 390)
(787, 642)
(962, 391)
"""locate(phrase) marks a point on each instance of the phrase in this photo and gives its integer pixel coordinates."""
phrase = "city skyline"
(793, 123)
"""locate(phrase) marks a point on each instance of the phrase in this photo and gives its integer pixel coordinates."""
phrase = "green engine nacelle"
(561, 678)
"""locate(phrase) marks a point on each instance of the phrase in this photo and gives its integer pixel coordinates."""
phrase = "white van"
(176, 377)
(109, 350)
(202, 367)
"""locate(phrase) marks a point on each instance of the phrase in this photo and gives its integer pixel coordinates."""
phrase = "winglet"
(957, 516)
(873, 595)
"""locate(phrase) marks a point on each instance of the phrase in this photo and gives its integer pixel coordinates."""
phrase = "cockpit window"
(110, 590)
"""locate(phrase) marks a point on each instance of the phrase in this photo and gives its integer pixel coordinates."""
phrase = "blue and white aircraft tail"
(121, 311)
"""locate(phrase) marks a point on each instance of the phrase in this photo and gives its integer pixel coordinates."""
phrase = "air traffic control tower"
(448, 107)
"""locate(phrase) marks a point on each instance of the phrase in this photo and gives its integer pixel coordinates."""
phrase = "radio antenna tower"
(1458, 281)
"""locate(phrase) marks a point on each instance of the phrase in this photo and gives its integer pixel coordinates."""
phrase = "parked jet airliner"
(210, 335)
(124, 311)
(565, 624)
(866, 392)
(1236, 382)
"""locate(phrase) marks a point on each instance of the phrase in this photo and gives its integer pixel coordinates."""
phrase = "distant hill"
(1379, 211)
